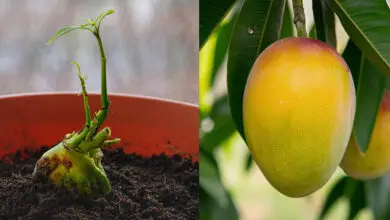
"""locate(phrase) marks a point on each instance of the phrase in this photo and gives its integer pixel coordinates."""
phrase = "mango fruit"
(298, 112)
(375, 162)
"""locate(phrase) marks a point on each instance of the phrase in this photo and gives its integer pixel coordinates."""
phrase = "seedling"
(75, 162)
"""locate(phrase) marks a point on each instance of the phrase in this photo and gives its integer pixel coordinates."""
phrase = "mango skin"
(298, 113)
(375, 162)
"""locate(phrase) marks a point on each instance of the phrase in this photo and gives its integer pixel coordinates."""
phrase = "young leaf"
(369, 85)
(211, 13)
(367, 22)
(66, 30)
(102, 16)
(258, 25)
(325, 23)
(334, 195)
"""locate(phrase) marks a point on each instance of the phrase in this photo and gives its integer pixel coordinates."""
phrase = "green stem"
(103, 112)
(85, 97)
(299, 18)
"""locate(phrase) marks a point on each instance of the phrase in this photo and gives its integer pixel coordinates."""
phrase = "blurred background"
(151, 47)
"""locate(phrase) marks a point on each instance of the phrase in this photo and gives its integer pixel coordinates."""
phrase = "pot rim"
(132, 96)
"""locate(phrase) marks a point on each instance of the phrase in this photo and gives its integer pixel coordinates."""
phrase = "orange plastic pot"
(147, 126)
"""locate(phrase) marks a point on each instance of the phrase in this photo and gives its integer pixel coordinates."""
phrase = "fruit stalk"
(299, 18)
(75, 163)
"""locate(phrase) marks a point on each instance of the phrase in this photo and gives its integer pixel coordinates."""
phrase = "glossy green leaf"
(353, 56)
(378, 197)
(325, 24)
(223, 125)
(369, 84)
(211, 13)
(213, 54)
(334, 195)
(367, 22)
(369, 95)
(287, 25)
(258, 25)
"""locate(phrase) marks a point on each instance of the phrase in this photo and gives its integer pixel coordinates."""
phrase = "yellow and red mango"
(298, 112)
(375, 161)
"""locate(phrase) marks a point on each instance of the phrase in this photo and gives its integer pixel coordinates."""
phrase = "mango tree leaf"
(357, 201)
(213, 54)
(367, 22)
(287, 25)
(387, 86)
(378, 197)
(258, 25)
(370, 86)
(334, 195)
(313, 32)
(324, 20)
(223, 126)
(211, 13)
(210, 210)
(248, 162)
(353, 56)
(210, 182)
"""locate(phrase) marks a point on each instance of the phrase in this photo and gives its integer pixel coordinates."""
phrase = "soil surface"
(142, 188)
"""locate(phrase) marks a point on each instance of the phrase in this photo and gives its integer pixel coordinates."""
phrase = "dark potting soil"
(159, 187)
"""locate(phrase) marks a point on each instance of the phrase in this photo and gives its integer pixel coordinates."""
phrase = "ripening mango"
(375, 162)
(298, 113)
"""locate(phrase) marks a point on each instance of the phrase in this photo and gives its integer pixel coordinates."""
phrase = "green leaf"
(378, 197)
(369, 97)
(248, 162)
(313, 32)
(223, 125)
(352, 55)
(211, 13)
(65, 31)
(102, 16)
(210, 205)
(324, 19)
(287, 25)
(334, 195)
(258, 25)
(213, 54)
(370, 86)
(367, 22)
(210, 210)
(387, 86)
(357, 201)
(210, 182)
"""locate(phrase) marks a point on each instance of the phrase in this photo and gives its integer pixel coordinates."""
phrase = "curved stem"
(299, 18)
(85, 96)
